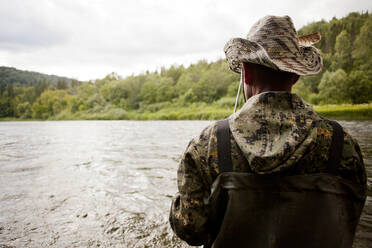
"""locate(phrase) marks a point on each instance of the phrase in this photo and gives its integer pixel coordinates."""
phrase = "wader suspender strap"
(224, 153)
(335, 151)
(223, 146)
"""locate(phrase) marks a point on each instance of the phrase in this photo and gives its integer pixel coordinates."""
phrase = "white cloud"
(89, 39)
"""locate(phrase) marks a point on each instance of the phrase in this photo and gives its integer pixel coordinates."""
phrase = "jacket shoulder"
(352, 165)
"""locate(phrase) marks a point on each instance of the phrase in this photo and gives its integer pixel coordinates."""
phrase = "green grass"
(213, 112)
(203, 111)
(346, 111)
(17, 119)
(186, 113)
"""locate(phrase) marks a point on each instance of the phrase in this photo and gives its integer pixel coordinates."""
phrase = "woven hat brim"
(238, 50)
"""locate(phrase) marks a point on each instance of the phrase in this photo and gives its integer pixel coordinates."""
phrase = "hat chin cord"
(240, 86)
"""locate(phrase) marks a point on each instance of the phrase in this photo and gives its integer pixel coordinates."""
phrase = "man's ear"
(247, 74)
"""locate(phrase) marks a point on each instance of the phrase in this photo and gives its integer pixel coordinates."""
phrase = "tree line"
(346, 47)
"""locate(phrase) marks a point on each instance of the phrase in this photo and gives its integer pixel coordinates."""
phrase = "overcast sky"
(88, 39)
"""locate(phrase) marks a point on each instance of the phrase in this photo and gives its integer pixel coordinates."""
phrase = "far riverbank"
(201, 111)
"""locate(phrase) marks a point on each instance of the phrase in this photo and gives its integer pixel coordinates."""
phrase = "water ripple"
(105, 183)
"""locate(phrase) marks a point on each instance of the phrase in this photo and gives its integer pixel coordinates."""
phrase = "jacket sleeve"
(189, 211)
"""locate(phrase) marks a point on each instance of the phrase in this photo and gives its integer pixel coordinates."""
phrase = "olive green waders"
(274, 211)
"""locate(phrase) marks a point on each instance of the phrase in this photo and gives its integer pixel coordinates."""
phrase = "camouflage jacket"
(273, 133)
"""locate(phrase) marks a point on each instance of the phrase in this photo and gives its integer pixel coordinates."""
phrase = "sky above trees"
(89, 39)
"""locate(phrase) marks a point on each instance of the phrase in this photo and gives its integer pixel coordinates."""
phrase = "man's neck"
(255, 89)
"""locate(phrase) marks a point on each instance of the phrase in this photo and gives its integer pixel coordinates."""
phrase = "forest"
(202, 90)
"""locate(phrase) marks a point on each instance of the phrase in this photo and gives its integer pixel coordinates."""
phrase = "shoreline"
(204, 112)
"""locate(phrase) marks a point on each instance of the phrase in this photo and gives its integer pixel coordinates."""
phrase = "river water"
(106, 183)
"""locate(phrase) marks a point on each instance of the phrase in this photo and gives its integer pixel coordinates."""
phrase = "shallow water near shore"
(106, 183)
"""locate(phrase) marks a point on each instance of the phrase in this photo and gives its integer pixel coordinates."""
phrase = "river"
(106, 183)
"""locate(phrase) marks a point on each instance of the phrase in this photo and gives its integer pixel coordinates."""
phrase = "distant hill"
(11, 75)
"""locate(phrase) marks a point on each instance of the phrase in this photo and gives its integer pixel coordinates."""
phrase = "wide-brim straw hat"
(273, 42)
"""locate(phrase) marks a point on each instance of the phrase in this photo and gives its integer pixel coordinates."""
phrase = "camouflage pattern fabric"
(273, 42)
(274, 133)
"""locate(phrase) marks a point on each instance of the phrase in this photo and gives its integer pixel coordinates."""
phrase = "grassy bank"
(346, 111)
(339, 112)
(204, 112)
